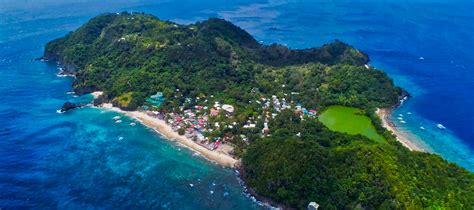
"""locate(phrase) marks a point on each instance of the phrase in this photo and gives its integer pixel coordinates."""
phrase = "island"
(299, 124)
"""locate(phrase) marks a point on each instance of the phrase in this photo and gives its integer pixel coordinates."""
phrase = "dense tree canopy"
(126, 53)
(342, 171)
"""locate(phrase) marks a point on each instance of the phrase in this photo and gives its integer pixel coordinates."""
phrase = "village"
(209, 122)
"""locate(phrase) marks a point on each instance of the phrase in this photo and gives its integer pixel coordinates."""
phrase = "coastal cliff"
(264, 100)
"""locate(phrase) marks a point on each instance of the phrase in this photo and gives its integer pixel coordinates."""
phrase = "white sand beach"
(220, 155)
(402, 138)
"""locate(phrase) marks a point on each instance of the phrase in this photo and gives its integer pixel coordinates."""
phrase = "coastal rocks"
(401, 98)
(100, 100)
(81, 90)
(251, 193)
(65, 68)
(68, 106)
(67, 72)
(50, 55)
(43, 59)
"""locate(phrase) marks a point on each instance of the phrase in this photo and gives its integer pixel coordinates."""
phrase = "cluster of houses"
(279, 105)
(194, 122)
(305, 112)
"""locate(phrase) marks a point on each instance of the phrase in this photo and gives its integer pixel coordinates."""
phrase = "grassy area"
(349, 120)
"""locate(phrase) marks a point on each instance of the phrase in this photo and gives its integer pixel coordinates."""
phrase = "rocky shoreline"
(252, 193)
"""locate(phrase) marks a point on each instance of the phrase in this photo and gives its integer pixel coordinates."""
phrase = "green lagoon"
(349, 120)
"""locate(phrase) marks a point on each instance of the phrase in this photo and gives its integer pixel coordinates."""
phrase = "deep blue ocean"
(79, 160)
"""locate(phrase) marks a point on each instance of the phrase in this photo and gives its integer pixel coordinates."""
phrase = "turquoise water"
(83, 159)
(78, 160)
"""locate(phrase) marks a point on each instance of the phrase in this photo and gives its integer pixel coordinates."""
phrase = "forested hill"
(296, 159)
(138, 54)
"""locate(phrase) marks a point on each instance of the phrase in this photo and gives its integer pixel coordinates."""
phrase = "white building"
(228, 108)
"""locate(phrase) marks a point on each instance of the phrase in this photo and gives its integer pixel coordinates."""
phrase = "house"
(214, 112)
(251, 125)
(228, 108)
(265, 130)
(198, 107)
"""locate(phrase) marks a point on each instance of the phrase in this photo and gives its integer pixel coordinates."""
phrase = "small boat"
(400, 118)
(421, 58)
(118, 121)
(132, 124)
(116, 118)
(401, 115)
(409, 113)
(120, 138)
(212, 192)
(191, 185)
(422, 128)
(403, 122)
(440, 126)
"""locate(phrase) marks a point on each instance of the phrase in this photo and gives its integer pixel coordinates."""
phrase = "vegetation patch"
(349, 120)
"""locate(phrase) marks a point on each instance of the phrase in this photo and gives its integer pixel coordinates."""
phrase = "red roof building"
(214, 112)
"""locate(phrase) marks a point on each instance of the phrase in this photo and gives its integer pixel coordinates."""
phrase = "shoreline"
(96, 94)
(160, 126)
(404, 139)
(219, 157)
